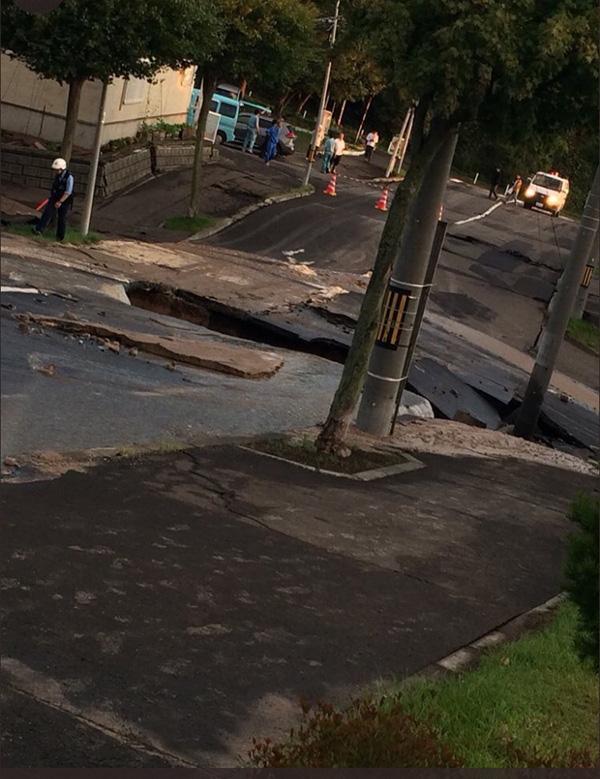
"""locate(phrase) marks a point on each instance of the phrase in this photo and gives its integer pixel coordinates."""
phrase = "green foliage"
(581, 573)
(585, 333)
(364, 735)
(87, 39)
(161, 126)
(72, 235)
(267, 42)
(530, 704)
(189, 224)
(528, 700)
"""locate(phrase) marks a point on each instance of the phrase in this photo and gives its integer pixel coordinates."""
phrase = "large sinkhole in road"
(227, 320)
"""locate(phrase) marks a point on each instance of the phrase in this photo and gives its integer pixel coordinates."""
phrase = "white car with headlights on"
(547, 191)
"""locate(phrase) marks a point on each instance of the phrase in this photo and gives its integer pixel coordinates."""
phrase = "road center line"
(480, 216)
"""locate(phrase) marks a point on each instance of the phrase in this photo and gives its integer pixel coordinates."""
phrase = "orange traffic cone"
(330, 188)
(381, 204)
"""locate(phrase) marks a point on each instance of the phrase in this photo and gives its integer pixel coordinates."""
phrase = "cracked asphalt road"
(165, 610)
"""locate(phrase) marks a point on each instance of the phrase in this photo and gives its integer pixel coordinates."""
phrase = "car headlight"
(552, 200)
(529, 192)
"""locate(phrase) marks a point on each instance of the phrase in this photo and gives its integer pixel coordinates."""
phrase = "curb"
(244, 212)
(469, 655)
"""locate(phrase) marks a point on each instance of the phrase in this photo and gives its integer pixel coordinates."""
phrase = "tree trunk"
(303, 103)
(282, 102)
(73, 102)
(209, 83)
(341, 113)
(333, 434)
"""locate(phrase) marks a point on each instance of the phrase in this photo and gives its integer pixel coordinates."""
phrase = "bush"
(365, 735)
(581, 573)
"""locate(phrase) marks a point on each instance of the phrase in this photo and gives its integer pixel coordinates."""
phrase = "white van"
(547, 191)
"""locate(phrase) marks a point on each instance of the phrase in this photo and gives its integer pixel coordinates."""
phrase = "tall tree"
(83, 40)
(460, 60)
(267, 41)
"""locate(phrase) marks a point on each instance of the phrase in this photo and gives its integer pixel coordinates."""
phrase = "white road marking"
(480, 216)
(23, 290)
(292, 252)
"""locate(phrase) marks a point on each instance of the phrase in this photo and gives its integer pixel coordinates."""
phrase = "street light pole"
(91, 185)
(314, 141)
(559, 314)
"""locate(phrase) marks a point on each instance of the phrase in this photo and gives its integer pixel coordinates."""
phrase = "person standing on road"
(494, 181)
(328, 150)
(338, 149)
(252, 127)
(270, 151)
(60, 200)
(516, 186)
(371, 144)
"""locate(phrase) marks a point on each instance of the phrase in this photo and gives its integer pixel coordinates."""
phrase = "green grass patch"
(584, 333)
(72, 235)
(534, 694)
(189, 224)
(530, 703)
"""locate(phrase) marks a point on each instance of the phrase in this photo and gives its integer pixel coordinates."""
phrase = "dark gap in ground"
(234, 322)
(227, 320)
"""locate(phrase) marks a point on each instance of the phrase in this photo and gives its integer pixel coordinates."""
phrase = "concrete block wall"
(170, 156)
(32, 167)
(122, 172)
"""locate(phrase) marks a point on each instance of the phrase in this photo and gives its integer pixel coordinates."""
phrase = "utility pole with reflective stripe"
(586, 280)
(390, 358)
(559, 314)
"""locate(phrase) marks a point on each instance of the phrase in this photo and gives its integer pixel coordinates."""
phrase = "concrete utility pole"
(406, 142)
(364, 118)
(402, 142)
(388, 366)
(436, 250)
(91, 185)
(559, 314)
(314, 141)
(586, 280)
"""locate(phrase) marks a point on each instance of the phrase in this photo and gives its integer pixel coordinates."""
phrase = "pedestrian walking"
(60, 201)
(328, 150)
(270, 149)
(515, 188)
(338, 149)
(371, 144)
(494, 181)
(252, 127)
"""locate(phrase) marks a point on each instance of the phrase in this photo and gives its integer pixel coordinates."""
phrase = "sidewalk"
(235, 181)
(165, 610)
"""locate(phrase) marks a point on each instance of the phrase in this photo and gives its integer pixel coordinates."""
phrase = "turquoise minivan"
(228, 108)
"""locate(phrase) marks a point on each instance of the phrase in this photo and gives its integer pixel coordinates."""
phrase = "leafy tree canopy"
(87, 39)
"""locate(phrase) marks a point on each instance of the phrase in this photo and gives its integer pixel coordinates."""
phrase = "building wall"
(37, 107)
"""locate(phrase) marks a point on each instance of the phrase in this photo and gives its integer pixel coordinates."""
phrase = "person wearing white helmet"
(60, 200)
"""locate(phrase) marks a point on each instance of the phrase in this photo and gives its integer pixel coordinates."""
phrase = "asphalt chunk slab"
(213, 355)
(450, 396)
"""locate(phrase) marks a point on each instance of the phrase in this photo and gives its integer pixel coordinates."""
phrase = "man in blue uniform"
(60, 200)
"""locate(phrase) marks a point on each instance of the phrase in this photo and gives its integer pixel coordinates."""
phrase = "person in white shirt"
(338, 149)
(371, 143)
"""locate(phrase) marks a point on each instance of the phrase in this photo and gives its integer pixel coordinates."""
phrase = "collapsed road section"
(460, 381)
